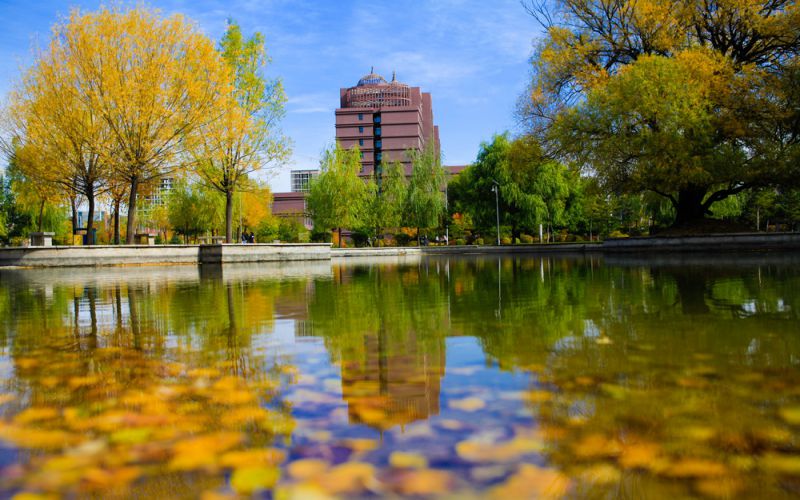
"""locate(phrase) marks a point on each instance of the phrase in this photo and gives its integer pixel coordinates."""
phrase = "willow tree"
(695, 101)
(245, 138)
(337, 195)
(152, 81)
(59, 137)
(425, 202)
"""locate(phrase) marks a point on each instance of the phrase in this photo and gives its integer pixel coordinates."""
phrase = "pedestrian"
(252, 237)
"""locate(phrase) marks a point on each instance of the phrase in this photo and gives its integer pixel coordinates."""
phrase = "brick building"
(385, 120)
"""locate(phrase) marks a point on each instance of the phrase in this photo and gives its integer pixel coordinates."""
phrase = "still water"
(512, 377)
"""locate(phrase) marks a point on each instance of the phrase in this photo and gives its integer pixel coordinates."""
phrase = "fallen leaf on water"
(720, 487)
(246, 480)
(360, 444)
(307, 468)
(781, 463)
(350, 477)
(477, 451)
(201, 452)
(601, 474)
(696, 467)
(35, 414)
(252, 458)
(596, 446)
(639, 455)
(531, 481)
(424, 482)
(467, 404)
(406, 460)
(790, 414)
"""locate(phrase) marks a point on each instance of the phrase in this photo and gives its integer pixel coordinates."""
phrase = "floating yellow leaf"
(720, 487)
(425, 482)
(790, 414)
(467, 404)
(307, 468)
(405, 460)
(247, 480)
(531, 481)
(601, 474)
(35, 414)
(201, 452)
(350, 477)
(639, 455)
(781, 463)
(361, 444)
(696, 467)
(596, 446)
(255, 458)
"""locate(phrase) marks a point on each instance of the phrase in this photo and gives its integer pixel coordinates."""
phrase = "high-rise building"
(385, 120)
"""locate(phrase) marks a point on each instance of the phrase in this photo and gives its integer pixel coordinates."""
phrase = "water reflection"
(511, 376)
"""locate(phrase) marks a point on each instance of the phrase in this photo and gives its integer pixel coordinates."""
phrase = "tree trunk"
(90, 218)
(41, 215)
(228, 216)
(339, 231)
(689, 208)
(116, 221)
(73, 203)
(131, 226)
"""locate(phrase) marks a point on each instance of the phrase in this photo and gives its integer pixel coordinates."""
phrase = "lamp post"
(496, 191)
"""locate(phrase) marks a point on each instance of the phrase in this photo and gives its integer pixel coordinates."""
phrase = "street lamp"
(496, 191)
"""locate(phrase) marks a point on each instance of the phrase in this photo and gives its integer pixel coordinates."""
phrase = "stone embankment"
(101, 255)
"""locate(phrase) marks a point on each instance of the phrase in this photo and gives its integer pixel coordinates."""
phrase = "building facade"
(385, 120)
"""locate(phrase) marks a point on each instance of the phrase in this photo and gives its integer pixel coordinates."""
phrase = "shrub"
(479, 241)
(402, 239)
(516, 241)
(617, 234)
(461, 241)
(526, 239)
(320, 236)
(360, 238)
(579, 238)
(175, 240)
(505, 241)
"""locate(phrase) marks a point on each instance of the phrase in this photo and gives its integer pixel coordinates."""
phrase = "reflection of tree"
(386, 326)
(137, 369)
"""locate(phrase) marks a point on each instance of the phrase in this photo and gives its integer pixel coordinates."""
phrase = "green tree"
(245, 139)
(191, 210)
(695, 101)
(426, 202)
(337, 196)
(386, 200)
(532, 189)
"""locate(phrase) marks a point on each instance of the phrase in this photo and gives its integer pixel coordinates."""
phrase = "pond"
(507, 377)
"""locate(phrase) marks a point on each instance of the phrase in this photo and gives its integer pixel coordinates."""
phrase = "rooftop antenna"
(372, 69)
(394, 76)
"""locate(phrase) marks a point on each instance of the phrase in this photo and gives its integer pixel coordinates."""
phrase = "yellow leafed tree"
(245, 139)
(151, 81)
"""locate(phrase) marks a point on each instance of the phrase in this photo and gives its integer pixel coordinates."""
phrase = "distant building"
(301, 180)
(385, 120)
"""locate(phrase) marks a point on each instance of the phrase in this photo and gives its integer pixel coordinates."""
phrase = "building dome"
(371, 79)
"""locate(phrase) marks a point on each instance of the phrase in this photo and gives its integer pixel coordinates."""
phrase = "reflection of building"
(393, 381)
(385, 120)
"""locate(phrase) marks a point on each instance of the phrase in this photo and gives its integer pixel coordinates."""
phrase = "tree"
(425, 203)
(151, 81)
(59, 137)
(245, 138)
(695, 101)
(337, 196)
(189, 210)
(533, 189)
(386, 200)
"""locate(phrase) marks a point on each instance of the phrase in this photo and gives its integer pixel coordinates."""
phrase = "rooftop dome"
(372, 79)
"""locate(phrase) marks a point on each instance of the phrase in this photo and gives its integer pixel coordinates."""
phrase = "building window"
(301, 179)
(377, 131)
(360, 116)
(377, 119)
(360, 130)
(361, 142)
(378, 144)
(378, 156)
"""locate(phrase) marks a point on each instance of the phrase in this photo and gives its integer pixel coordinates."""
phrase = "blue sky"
(472, 55)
